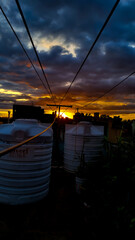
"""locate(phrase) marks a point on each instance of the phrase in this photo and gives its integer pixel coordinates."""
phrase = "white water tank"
(25, 171)
(82, 138)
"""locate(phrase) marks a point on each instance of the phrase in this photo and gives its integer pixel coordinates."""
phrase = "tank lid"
(85, 129)
(85, 123)
(26, 121)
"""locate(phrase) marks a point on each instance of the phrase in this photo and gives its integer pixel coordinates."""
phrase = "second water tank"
(84, 139)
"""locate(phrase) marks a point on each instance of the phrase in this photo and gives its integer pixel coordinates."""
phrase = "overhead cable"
(23, 49)
(108, 90)
(27, 29)
(101, 30)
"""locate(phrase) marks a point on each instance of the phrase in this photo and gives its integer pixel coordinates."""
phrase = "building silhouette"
(31, 112)
(27, 112)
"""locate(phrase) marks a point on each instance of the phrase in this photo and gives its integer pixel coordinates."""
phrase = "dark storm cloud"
(75, 22)
(65, 16)
(79, 21)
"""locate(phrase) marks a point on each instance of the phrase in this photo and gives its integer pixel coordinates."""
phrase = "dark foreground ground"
(58, 216)
(62, 215)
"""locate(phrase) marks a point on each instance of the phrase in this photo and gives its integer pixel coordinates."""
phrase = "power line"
(23, 49)
(66, 108)
(109, 90)
(27, 29)
(105, 23)
(59, 106)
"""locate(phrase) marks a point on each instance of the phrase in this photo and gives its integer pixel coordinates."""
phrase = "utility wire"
(105, 23)
(26, 26)
(64, 110)
(24, 49)
(22, 46)
(109, 90)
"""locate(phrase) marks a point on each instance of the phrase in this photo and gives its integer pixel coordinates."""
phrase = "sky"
(63, 32)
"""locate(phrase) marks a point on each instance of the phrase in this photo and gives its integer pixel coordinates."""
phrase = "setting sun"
(63, 115)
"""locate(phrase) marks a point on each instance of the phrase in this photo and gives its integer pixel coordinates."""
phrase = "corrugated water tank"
(25, 171)
(82, 138)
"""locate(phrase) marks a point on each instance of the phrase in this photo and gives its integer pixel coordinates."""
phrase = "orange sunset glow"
(72, 67)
